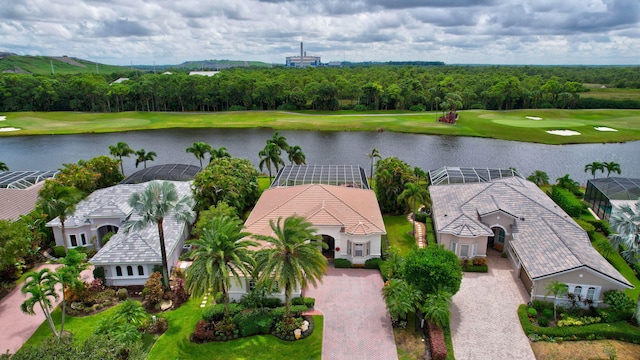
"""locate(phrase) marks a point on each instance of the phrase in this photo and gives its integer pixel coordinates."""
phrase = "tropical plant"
(436, 308)
(144, 156)
(291, 258)
(220, 255)
(557, 289)
(220, 152)
(594, 167)
(120, 150)
(401, 299)
(232, 180)
(296, 155)
(69, 276)
(60, 202)
(374, 154)
(391, 176)
(415, 195)
(280, 141)
(626, 222)
(539, 178)
(568, 183)
(15, 243)
(206, 217)
(392, 267)
(41, 288)
(270, 156)
(131, 312)
(433, 269)
(419, 174)
(612, 167)
(157, 201)
(3, 166)
(199, 150)
(88, 175)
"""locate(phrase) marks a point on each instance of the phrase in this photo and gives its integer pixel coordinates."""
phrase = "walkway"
(420, 231)
(17, 327)
(356, 322)
(484, 321)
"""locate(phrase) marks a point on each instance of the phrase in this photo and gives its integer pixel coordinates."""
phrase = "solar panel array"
(339, 175)
(458, 175)
(23, 179)
(174, 172)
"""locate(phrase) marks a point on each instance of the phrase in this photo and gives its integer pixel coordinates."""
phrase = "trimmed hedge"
(436, 341)
(59, 251)
(296, 310)
(216, 312)
(566, 200)
(373, 263)
(341, 263)
(601, 226)
(621, 330)
(476, 268)
(309, 302)
(588, 227)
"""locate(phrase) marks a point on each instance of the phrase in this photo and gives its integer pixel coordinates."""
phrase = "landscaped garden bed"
(478, 264)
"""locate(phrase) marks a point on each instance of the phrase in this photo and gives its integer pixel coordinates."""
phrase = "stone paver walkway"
(484, 321)
(420, 231)
(356, 322)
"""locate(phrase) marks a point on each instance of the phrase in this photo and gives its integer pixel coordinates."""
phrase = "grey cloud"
(122, 28)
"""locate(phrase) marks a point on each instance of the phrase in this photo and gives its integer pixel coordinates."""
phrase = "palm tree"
(144, 156)
(199, 150)
(626, 222)
(415, 195)
(3, 166)
(157, 201)
(612, 167)
(568, 183)
(69, 276)
(280, 141)
(419, 173)
(269, 156)
(555, 288)
(221, 152)
(594, 167)
(291, 258)
(374, 154)
(61, 203)
(120, 150)
(296, 155)
(401, 298)
(539, 178)
(220, 253)
(41, 287)
(436, 308)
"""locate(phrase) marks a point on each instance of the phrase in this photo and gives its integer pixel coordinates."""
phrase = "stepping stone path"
(419, 231)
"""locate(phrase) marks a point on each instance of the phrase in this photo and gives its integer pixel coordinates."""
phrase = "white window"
(453, 247)
(358, 250)
(83, 239)
(367, 248)
(348, 247)
(464, 250)
(474, 249)
(577, 291)
(74, 240)
(591, 293)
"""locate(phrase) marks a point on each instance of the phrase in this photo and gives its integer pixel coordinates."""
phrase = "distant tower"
(301, 58)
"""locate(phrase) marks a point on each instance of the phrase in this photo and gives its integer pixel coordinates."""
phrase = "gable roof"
(356, 210)
(547, 240)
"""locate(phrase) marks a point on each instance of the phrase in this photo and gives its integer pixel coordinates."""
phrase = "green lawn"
(175, 343)
(508, 125)
(398, 228)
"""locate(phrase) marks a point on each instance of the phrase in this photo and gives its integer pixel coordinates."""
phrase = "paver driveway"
(356, 322)
(484, 321)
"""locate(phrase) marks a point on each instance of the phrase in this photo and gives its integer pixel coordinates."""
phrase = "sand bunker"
(3, 118)
(533, 118)
(563, 132)
(604, 128)
(6, 129)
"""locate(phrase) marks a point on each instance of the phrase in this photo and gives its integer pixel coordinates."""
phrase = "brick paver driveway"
(356, 323)
(484, 322)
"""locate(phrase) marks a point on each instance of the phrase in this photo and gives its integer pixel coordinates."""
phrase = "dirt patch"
(68, 60)
(597, 349)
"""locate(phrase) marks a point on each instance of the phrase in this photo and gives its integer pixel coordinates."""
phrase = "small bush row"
(373, 263)
(309, 302)
(436, 341)
(341, 263)
(567, 201)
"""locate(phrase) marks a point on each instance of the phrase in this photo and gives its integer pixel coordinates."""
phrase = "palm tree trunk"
(287, 300)
(64, 310)
(163, 251)
(64, 236)
(47, 314)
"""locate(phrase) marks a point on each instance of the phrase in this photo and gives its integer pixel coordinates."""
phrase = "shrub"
(436, 341)
(216, 312)
(581, 321)
(418, 107)
(98, 273)
(532, 312)
(566, 200)
(306, 301)
(122, 294)
(203, 331)
(479, 261)
(237, 108)
(271, 303)
(255, 322)
(476, 268)
(588, 227)
(296, 310)
(372, 263)
(543, 321)
(341, 263)
(59, 251)
(601, 225)
(360, 107)
(420, 217)
(153, 290)
(159, 326)
(618, 301)
(541, 305)
(181, 293)
(548, 313)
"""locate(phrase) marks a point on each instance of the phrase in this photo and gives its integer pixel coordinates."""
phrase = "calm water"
(48, 152)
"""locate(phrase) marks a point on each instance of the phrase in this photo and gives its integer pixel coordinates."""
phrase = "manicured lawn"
(508, 125)
(398, 228)
(175, 343)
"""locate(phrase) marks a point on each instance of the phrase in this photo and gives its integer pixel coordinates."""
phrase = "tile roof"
(16, 202)
(547, 240)
(356, 210)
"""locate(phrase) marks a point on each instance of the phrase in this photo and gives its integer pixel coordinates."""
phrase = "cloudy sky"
(454, 31)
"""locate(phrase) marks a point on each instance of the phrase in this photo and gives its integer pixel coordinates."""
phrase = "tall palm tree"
(3, 166)
(41, 286)
(291, 258)
(120, 150)
(152, 205)
(374, 154)
(419, 173)
(612, 167)
(144, 156)
(594, 167)
(280, 141)
(221, 152)
(415, 195)
(222, 252)
(539, 178)
(61, 203)
(199, 150)
(270, 156)
(296, 155)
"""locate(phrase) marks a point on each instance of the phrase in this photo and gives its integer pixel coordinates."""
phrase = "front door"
(331, 243)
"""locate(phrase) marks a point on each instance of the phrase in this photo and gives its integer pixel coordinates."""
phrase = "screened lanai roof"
(462, 175)
(23, 179)
(618, 188)
(340, 175)
(174, 172)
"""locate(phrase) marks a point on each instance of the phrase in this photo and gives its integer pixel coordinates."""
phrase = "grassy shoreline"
(505, 125)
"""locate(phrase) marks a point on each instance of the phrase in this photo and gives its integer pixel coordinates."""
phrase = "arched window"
(591, 293)
(577, 291)
(499, 235)
(118, 271)
(140, 270)
(130, 270)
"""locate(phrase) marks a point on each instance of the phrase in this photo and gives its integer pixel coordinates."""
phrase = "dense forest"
(415, 88)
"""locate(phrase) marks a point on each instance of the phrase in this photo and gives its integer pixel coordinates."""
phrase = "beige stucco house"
(514, 216)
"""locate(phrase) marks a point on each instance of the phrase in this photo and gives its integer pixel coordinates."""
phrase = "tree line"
(415, 88)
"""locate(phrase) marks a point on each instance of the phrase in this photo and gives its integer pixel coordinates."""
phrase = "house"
(19, 192)
(127, 258)
(348, 220)
(513, 216)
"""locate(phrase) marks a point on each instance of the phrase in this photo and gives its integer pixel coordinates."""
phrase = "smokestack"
(301, 51)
